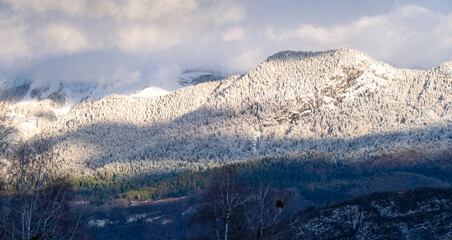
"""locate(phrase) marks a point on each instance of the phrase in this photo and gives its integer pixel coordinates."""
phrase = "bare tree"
(264, 211)
(236, 211)
(6, 130)
(35, 202)
(223, 204)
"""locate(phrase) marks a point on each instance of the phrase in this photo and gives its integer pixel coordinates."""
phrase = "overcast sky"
(127, 42)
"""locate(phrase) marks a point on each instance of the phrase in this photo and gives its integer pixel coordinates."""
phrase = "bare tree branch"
(37, 197)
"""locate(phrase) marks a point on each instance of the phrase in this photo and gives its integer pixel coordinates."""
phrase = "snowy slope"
(57, 99)
(339, 103)
(32, 105)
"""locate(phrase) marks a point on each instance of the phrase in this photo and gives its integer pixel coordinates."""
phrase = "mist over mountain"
(193, 77)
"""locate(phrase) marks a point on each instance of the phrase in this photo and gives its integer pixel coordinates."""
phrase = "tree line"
(316, 177)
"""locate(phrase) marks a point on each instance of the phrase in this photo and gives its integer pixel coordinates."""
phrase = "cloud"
(136, 26)
(141, 39)
(234, 34)
(241, 61)
(224, 12)
(67, 6)
(13, 42)
(401, 36)
(443, 32)
(65, 39)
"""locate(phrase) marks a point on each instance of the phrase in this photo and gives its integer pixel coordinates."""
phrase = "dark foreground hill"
(417, 214)
(423, 213)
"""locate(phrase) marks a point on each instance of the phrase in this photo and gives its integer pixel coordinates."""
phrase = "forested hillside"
(340, 103)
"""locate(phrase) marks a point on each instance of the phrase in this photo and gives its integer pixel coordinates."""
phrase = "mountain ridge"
(291, 102)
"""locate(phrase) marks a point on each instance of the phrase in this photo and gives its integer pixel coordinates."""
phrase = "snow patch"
(149, 92)
(153, 219)
(100, 223)
(366, 83)
(136, 217)
(166, 221)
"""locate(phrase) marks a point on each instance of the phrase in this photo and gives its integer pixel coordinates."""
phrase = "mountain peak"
(340, 52)
(287, 54)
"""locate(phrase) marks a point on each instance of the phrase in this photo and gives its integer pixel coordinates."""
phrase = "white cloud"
(13, 40)
(62, 38)
(443, 32)
(247, 56)
(158, 10)
(133, 26)
(67, 6)
(225, 12)
(140, 39)
(234, 34)
(403, 36)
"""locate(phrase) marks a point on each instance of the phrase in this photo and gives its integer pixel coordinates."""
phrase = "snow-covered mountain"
(24, 91)
(30, 101)
(339, 103)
